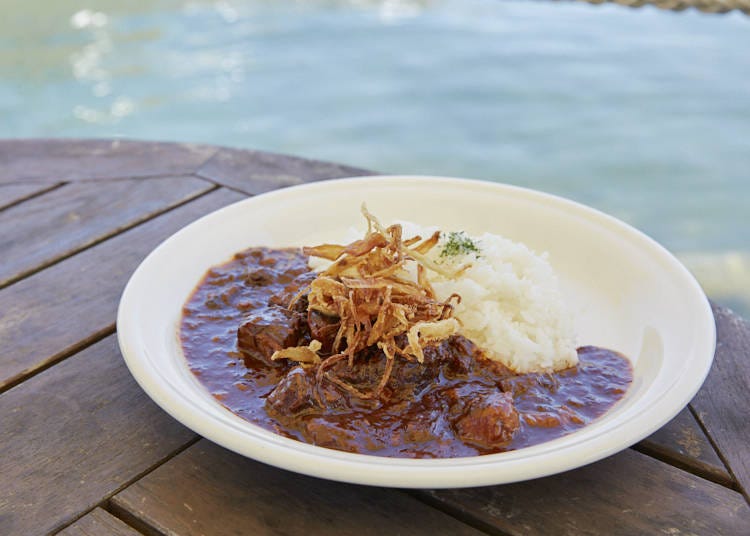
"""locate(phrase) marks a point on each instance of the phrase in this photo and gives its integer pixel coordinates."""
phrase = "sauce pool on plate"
(456, 403)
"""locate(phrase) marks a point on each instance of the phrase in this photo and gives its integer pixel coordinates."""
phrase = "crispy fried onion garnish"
(301, 354)
(376, 302)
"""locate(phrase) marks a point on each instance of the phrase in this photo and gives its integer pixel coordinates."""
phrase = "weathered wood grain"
(54, 160)
(682, 443)
(70, 218)
(209, 490)
(683, 435)
(626, 494)
(51, 313)
(722, 403)
(11, 194)
(99, 523)
(75, 434)
(78, 432)
(255, 172)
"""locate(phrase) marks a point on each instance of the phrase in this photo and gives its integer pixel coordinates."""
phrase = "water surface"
(644, 114)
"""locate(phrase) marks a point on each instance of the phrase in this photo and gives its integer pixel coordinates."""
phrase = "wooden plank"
(10, 194)
(99, 522)
(75, 434)
(682, 443)
(50, 314)
(209, 490)
(73, 217)
(722, 403)
(628, 493)
(684, 436)
(255, 172)
(54, 160)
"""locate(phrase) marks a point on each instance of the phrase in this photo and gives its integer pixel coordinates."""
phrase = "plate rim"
(411, 473)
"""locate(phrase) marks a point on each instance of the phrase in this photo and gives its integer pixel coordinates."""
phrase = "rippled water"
(644, 114)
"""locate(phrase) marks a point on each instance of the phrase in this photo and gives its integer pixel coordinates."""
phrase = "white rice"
(511, 305)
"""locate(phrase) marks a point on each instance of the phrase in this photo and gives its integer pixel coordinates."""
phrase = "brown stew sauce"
(455, 404)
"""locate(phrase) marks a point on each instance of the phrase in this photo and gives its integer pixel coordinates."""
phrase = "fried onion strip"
(370, 287)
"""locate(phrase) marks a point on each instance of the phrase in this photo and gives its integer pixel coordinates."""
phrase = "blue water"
(643, 113)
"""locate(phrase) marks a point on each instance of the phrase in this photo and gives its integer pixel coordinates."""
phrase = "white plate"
(626, 291)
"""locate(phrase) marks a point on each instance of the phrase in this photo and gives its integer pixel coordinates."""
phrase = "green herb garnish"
(458, 243)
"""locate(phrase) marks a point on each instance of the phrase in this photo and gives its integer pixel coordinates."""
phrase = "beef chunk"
(293, 396)
(490, 419)
(323, 328)
(407, 378)
(300, 306)
(268, 329)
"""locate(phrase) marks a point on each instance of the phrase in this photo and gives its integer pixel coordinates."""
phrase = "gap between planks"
(132, 520)
(223, 185)
(144, 527)
(46, 264)
(687, 464)
(735, 482)
(73, 350)
(661, 454)
(107, 505)
(110, 328)
(456, 513)
(147, 529)
(37, 193)
(156, 176)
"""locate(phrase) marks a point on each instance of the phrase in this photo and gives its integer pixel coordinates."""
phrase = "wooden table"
(84, 451)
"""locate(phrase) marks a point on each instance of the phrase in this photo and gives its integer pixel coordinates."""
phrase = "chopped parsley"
(459, 243)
